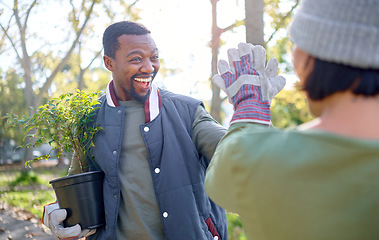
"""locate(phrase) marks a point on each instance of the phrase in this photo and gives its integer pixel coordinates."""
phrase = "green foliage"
(281, 51)
(26, 178)
(289, 109)
(280, 14)
(70, 120)
(235, 227)
(11, 100)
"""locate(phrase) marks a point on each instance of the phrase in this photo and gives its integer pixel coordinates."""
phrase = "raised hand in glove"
(53, 217)
(250, 85)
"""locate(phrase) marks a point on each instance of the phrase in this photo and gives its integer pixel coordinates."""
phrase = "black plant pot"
(82, 197)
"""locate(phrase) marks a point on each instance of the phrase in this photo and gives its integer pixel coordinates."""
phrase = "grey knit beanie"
(341, 31)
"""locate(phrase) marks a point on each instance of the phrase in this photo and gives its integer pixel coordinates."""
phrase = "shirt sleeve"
(206, 132)
(226, 175)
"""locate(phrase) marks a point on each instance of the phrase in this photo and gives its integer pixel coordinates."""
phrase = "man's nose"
(147, 66)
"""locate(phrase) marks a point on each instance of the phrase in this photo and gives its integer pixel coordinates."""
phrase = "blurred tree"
(215, 45)
(41, 61)
(289, 109)
(12, 100)
(34, 89)
(280, 13)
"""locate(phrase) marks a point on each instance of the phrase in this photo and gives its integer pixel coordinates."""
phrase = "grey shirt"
(138, 216)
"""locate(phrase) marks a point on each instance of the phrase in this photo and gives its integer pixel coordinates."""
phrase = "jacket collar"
(152, 104)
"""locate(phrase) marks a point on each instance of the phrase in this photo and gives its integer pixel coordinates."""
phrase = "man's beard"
(135, 95)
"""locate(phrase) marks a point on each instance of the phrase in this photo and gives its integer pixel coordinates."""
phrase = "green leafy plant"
(65, 123)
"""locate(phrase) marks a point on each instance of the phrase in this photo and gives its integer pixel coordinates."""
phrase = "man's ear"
(108, 61)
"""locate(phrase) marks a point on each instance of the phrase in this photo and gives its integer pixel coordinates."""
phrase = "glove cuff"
(47, 209)
(250, 120)
(248, 112)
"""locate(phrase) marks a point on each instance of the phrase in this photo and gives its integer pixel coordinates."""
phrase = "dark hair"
(112, 32)
(328, 78)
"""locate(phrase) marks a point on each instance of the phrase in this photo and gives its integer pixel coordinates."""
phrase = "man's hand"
(249, 85)
(53, 217)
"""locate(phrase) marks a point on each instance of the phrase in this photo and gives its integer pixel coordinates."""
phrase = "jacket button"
(119, 111)
(114, 152)
(157, 170)
(146, 129)
(165, 214)
(115, 196)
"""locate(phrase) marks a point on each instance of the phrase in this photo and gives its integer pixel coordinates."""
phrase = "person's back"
(298, 184)
(318, 181)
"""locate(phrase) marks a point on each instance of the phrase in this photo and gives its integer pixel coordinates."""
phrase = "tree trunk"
(216, 32)
(81, 84)
(254, 22)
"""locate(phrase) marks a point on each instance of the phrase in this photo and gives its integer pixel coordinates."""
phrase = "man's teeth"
(143, 79)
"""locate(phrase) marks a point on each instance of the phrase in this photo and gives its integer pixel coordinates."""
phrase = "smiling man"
(154, 149)
(133, 66)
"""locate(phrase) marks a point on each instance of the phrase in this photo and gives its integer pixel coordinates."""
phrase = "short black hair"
(328, 78)
(112, 32)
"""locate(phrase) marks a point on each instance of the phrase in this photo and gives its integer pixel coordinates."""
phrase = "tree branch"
(236, 24)
(132, 5)
(28, 13)
(282, 19)
(25, 60)
(6, 34)
(93, 59)
(11, 41)
(22, 31)
(60, 66)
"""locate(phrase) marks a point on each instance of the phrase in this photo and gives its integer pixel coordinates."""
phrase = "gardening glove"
(53, 217)
(249, 85)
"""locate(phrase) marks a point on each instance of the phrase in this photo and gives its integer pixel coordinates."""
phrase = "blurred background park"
(48, 48)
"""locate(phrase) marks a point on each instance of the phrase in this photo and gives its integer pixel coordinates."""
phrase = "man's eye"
(155, 57)
(136, 59)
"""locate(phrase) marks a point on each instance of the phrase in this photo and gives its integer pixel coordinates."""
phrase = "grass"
(28, 200)
(29, 190)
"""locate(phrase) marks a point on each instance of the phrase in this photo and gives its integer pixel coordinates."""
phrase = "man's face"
(134, 67)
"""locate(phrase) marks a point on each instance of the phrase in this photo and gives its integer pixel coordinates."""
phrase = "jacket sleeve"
(206, 132)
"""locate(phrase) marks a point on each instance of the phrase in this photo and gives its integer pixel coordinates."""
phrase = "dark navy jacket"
(177, 169)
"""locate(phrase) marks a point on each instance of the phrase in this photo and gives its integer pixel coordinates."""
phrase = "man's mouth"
(143, 82)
